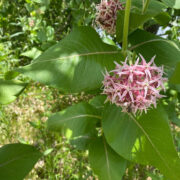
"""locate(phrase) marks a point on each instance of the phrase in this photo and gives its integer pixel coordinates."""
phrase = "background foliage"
(27, 29)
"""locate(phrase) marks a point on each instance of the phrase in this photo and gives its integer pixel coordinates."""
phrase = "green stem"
(145, 6)
(126, 26)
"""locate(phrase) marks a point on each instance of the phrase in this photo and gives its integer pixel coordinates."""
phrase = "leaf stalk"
(145, 6)
(126, 26)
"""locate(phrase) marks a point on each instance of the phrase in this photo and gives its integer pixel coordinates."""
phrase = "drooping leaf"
(105, 162)
(136, 16)
(172, 3)
(175, 79)
(9, 90)
(80, 119)
(167, 52)
(147, 140)
(17, 160)
(74, 64)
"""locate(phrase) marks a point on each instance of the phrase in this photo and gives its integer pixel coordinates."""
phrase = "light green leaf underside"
(74, 64)
(105, 162)
(9, 90)
(147, 140)
(172, 3)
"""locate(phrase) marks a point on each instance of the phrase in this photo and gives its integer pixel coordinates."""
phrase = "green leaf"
(147, 140)
(9, 75)
(163, 18)
(167, 52)
(105, 162)
(98, 102)
(136, 17)
(9, 90)
(81, 142)
(17, 160)
(175, 79)
(80, 119)
(154, 7)
(74, 64)
(172, 114)
(172, 3)
(33, 53)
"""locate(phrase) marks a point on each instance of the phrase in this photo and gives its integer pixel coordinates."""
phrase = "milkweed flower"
(107, 14)
(134, 87)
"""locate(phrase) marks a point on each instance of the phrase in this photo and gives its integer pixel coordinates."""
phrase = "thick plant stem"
(145, 6)
(126, 26)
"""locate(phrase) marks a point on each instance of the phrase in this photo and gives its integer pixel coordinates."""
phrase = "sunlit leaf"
(172, 3)
(74, 64)
(80, 119)
(9, 90)
(147, 140)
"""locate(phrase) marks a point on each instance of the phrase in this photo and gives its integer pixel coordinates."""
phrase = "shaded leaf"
(81, 142)
(167, 52)
(105, 162)
(172, 114)
(147, 140)
(175, 79)
(80, 119)
(17, 160)
(163, 18)
(154, 6)
(136, 17)
(98, 102)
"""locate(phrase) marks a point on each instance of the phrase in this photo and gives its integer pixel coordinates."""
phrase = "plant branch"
(126, 26)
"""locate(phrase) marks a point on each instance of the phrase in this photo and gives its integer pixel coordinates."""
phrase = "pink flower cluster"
(107, 14)
(134, 87)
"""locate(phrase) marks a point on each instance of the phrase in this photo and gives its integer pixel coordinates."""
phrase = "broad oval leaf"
(74, 64)
(80, 119)
(17, 160)
(167, 52)
(9, 90)
(147, 140)
(105, 162)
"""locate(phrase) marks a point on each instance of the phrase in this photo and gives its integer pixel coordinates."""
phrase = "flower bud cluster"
(106, 15)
